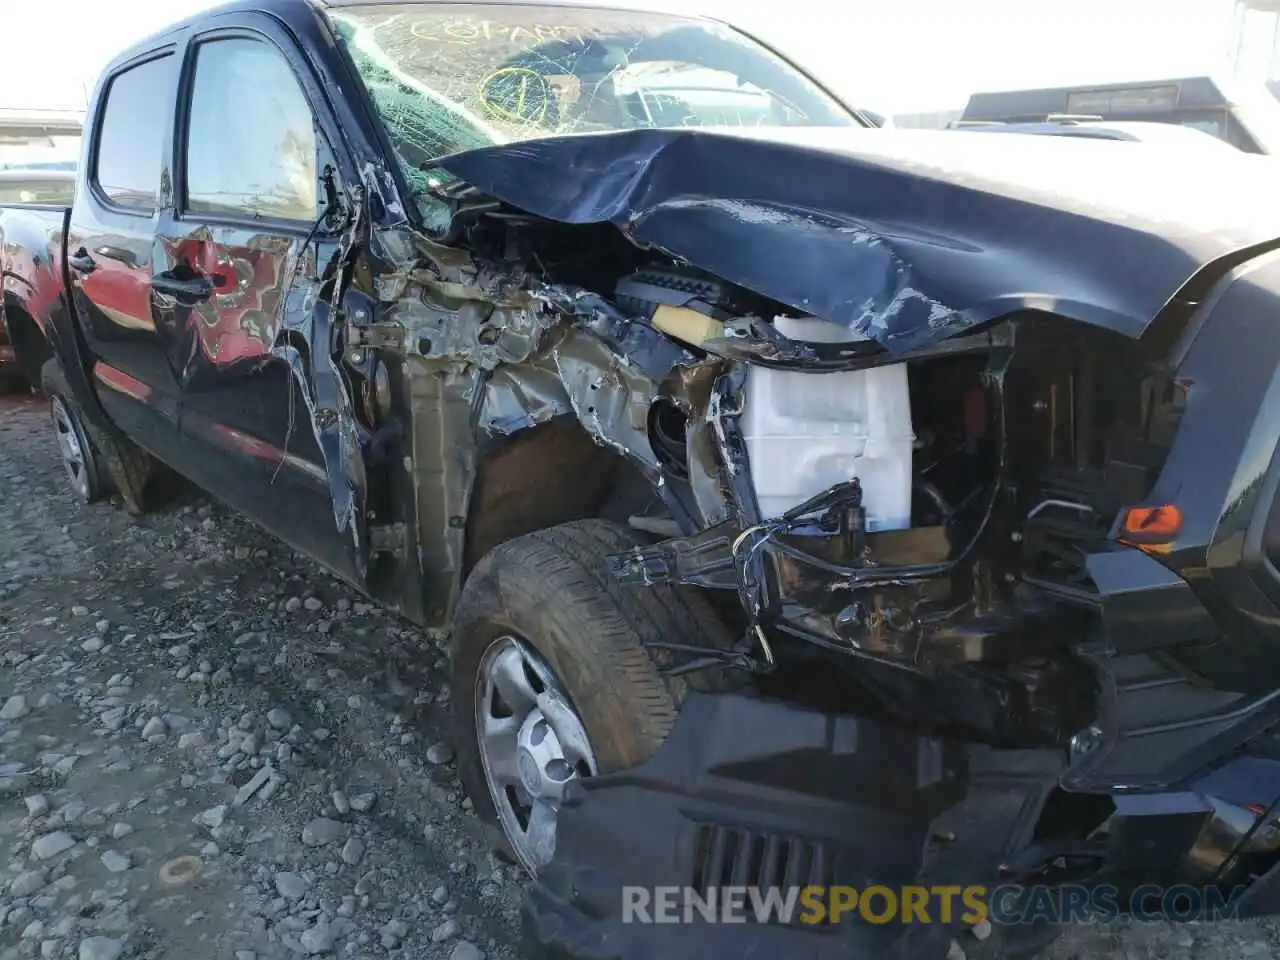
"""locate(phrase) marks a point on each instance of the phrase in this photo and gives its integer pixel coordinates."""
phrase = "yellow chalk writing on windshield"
(516, 95)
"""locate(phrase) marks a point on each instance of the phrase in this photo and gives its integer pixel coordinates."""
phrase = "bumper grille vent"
(760, 862)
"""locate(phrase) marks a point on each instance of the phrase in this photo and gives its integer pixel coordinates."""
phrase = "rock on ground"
(115, 861)
(155, 727)
(440, 753)
(27, 883)
(169, 734)
(318, 939)
(100, 948)
(51, 844)
(291, 886)
(353, 851)
(322, 830)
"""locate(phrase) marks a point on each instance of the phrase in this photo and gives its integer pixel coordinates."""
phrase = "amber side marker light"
(1152, 529)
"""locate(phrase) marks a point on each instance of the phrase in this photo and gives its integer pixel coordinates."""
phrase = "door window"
(251, 135)
(131, 134)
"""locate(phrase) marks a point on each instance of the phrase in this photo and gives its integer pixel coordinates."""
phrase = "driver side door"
(236, 262)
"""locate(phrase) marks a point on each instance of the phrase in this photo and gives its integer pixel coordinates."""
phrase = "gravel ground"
(211, 749)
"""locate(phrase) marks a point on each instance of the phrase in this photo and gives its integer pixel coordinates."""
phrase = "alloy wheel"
(533, 745)
(72, 447)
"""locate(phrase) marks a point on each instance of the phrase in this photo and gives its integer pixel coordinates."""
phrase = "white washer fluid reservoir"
(806, 432)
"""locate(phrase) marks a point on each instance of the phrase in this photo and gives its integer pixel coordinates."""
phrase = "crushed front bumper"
(753, 793)
(747, 792)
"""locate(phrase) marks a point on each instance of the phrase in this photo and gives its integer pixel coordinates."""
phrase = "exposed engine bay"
(912, 522)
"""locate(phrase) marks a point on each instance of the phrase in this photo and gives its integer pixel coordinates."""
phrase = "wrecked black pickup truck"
(797, 493)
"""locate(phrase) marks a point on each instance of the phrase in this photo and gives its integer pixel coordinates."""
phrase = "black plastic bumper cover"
(754, 793)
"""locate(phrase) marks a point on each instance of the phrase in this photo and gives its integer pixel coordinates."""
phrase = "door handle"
(81, 262)
(198, 287)
(118, 253)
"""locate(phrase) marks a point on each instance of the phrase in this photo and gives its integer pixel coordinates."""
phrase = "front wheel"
(555, 675)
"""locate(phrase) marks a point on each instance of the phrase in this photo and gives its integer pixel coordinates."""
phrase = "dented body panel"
(902, 237)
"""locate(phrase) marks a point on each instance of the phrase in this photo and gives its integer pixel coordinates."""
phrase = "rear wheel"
(555, 675)
(79, 459)
(95, 461)
(30, 352)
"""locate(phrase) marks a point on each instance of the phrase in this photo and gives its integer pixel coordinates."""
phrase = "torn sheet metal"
(512, 399)
(544, 353)
(329, 413)
(610, 396)
(329, 407)
(904, 240)
(455, 321)
(490, 357)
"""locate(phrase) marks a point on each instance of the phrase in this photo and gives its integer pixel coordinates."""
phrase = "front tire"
(555, 675)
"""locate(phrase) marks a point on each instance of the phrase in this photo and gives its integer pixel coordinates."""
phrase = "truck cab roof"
(285, 9)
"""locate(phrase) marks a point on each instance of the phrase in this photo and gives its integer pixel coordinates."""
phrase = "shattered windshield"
(446, 78)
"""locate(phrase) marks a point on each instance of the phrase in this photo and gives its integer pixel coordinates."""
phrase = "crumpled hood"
(905, 237)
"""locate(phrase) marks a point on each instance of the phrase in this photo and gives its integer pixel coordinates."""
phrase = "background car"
(39, 151)
(37, 186)
(23, 343)
(1243, 115)
(1137, 131)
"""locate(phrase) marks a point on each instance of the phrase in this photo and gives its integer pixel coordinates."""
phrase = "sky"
(892, 56)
